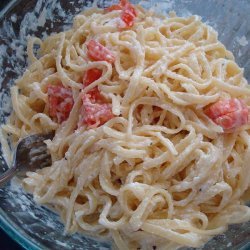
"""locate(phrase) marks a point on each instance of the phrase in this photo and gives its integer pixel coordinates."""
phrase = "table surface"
(6, 242)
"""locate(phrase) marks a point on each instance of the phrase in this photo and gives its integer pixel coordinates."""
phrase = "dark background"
(3, 3)
(6, 242)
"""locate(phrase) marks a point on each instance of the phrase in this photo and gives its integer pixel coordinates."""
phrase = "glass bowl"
(34, 226)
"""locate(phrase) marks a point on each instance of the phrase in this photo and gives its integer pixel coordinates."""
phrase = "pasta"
(150, 116)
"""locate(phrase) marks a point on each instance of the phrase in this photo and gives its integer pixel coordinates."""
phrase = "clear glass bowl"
(36, 227)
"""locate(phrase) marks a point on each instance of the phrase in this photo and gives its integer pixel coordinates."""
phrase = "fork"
(30, 154)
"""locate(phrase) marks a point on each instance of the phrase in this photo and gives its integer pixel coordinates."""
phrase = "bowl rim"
(8, 226)
(8, 6)
(16, 233)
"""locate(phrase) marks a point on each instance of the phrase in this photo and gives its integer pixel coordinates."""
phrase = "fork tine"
(38, 151)
(31, 153)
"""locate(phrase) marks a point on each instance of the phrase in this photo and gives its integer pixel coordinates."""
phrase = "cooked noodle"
(160, 173)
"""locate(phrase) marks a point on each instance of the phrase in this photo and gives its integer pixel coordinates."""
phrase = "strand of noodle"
(105, 176)
(18, 107)
(180, 224)
(114, 225)
(123, 136)
(134, 80)
(153, 85)
(121, 151)
(155, 102)
(63, 76)
(98, 27)
(166, 142)
(71, 123)
(147, 178)
(233, 90)
(154, 162)
(10, 129)
(187, 239)
(118, 240)
(192, 75)
(116, 104)
(188, 99)
(39, 94)
(181, 78)
(146, 206)
(244, 181)
(102, 79)
(205, 65)
(88, 165)
(31, 42)
(182, 157)
(45, 121)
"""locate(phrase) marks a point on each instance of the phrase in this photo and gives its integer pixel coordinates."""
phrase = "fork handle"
(7, 176)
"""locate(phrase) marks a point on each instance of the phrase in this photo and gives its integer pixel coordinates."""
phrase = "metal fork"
(30, 154)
